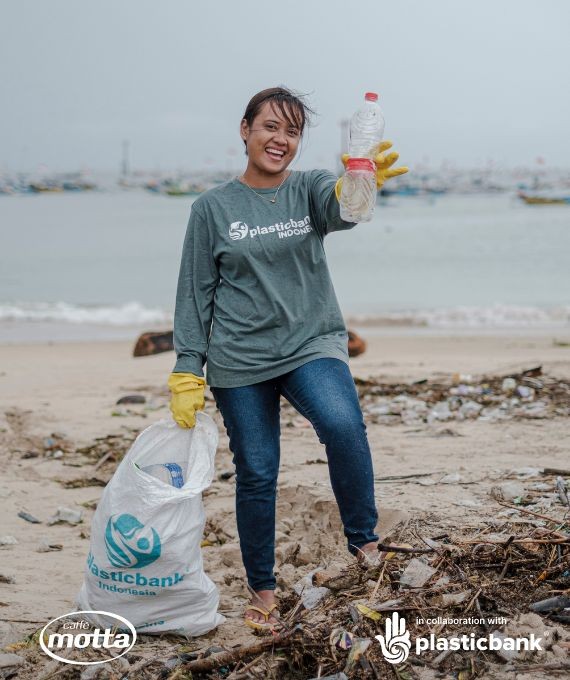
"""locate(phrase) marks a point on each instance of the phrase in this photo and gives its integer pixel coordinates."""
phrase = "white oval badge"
(82, 634)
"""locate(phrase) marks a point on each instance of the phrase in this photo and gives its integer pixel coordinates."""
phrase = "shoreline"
(33, 333)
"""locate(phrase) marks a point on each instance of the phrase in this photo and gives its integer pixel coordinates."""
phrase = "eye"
(293, 132)
(271, 126)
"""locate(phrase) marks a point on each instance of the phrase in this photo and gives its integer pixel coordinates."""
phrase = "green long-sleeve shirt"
(255, 298)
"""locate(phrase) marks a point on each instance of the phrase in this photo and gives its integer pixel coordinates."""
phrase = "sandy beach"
(72, 389)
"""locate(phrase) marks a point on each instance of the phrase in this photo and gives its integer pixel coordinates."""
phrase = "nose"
(280, 136)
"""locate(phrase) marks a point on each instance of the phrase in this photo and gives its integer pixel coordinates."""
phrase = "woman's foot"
(369, 555)
(262, 614)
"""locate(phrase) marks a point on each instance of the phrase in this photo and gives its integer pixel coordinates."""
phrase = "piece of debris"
(66, 515)
(451, 478)
(509, 385)
(11, 660)
(46, 546)
(82, 482)
(341, 639)
(508, 491)
(153, 342)
(310, 595)
(8, 540)
(468, 503)
(527, 472)
(562, 491)
(450, 599)
(132, 399)
(390, 605)
(447, 432)
(551, 605)
(356, 345)
(357, 651)
(416, 574)
(29, 518)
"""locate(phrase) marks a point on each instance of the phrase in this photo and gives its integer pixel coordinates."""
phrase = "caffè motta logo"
(86, 638)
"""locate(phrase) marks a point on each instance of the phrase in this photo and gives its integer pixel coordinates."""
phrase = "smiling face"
(271, 141)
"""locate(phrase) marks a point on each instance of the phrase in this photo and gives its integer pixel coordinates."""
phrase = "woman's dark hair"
(290, 105)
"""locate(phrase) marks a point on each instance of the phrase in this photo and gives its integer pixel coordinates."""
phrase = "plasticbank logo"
(129, 543)
(66, 637)
(396, 644)
(238, 230)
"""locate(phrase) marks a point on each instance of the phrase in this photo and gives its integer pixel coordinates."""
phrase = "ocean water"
(104, 265)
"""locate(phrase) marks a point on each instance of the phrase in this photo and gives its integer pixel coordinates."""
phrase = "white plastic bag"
(145, 562)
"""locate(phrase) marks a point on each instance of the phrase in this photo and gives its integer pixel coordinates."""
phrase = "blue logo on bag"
(129, 543)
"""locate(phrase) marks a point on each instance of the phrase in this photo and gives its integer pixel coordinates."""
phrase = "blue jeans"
(323, 391)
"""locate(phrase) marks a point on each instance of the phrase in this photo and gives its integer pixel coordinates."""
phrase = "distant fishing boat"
(544, 199)
(69, 182)
(78, 185)
(406, 190)
(43, 187)
(175, 188)
(192, 190)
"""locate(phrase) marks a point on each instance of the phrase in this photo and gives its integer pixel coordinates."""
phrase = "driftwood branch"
(555, 471)
(529, 512)
(393, 478)
(538, 667)
(239, 654)
(522, 541)
(384, 547)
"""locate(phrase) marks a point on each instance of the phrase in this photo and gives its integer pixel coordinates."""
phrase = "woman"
(256, 300)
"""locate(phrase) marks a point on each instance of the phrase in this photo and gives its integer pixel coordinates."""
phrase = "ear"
(244, 129)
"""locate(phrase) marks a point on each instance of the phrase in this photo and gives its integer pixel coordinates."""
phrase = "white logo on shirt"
(238, 230)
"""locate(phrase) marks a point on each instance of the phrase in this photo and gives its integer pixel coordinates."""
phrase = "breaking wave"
(497, 316)
(128, 314)
(134, 314)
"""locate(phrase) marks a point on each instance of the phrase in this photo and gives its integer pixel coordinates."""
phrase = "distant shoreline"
(47, 333)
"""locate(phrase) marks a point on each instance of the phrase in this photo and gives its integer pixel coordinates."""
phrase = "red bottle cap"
(360, 164)
(371, 97)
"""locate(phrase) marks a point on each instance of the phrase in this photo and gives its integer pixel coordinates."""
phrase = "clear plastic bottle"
(169, 473)
(366, 128)
(358, 193)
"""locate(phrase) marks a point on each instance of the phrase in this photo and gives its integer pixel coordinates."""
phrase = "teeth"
(275, 151)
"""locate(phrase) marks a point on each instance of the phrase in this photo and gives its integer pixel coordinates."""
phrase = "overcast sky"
(459, 80)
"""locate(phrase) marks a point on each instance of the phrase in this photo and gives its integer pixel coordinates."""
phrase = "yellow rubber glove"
(384, 163)
(187, 397)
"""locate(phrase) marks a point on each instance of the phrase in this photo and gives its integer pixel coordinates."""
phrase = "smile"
(275, 154)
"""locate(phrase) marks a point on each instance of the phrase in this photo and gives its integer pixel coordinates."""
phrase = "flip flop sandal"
(264, 627)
